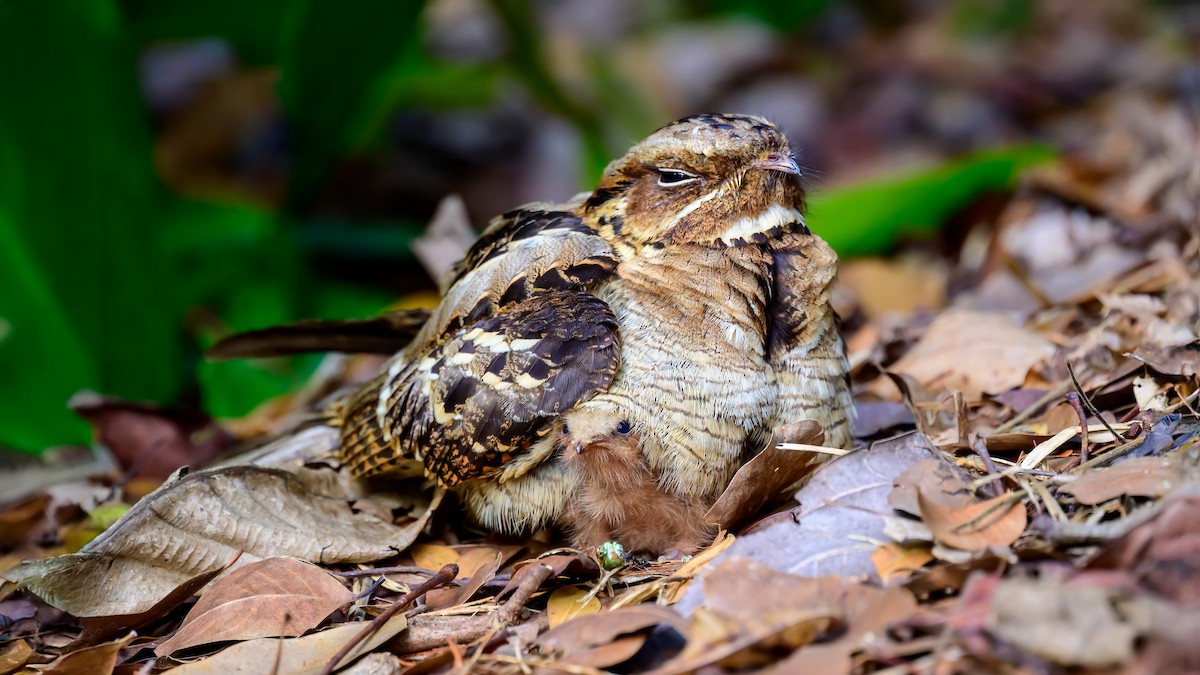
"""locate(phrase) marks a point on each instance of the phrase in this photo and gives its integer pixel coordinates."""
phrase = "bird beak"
(578, 447)
(778, 161)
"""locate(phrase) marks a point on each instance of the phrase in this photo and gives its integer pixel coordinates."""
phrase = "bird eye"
(566, 430)
(623, 427)
(669, 177)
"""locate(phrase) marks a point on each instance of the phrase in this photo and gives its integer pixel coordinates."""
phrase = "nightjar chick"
(618, 497)
(688, 273)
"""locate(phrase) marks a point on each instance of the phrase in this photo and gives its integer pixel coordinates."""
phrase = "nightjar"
(685, 291)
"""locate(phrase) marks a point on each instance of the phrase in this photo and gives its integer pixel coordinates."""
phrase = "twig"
(804, 447)
(544, 663)
(399, 569)
(980, 448)
(1025, 414)
(1088, 402)
(1073, 401)
(443, 577)
(433, 631)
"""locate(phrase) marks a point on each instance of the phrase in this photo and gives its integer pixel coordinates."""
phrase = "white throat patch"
(775, 216)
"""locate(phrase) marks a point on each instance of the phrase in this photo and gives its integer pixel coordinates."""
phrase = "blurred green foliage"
(111, 282)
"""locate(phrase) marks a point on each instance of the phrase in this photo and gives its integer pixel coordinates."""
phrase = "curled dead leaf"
(276, 597)
(761, 480)
(977, 526)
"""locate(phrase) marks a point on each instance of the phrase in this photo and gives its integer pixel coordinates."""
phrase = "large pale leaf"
(197, 523)
(842, 509)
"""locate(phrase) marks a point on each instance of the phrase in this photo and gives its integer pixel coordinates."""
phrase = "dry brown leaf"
(1066, 625)
(97, 660)
(868, 611)
(97, 629)
(1137, 477)
(888, 287)
(747, 604)
(306, 655)
(974, 352)
(450, 596)
(1162, 553)
(195, 524)
(14, 655)
(895, 561)
(938, 478)
(568, 602)
(436, 556)
(276, 597)
(585, 641)
(977, 526)
(761, 480)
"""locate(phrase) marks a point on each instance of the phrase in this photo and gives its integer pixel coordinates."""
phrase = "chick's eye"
(623, 427)
(675, 177)
(566, 430)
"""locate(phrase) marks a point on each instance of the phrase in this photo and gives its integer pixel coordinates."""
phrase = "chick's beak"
(778, 161)
(578, 447)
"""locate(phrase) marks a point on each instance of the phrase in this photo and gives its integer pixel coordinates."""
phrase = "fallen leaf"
(895, 561)
(14, 655)
(194, 524)
(97, 629)
(935, 477)
(435, 556)
(977, 526)
(568, 602)
(96, 660)
(306, 655)
(1137, 477)
(1163, 552)
(450, 596)
(276, 597)
(149, 441)
(761, 480)
(975, 352)
(745, 605)
(867, 614)
(584, 640)
(18, 519)
(890, 287)
(1066, 625)
(839, 514)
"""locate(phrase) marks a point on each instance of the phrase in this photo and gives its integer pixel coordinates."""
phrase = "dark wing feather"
(483, 397)
(386, 334)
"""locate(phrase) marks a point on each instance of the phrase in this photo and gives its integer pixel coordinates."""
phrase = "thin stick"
(443, 577)
(399, 569)
(1055, 393)
(1088, 402)
(1073, 401)
(980, 448)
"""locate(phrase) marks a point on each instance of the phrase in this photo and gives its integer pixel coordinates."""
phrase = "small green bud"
(611, 555)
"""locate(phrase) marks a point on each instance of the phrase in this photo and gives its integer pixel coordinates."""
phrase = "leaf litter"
(1025, 500)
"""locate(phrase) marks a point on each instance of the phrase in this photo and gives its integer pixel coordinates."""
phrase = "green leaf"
(334, 58)
(868, 218)
(87, 300)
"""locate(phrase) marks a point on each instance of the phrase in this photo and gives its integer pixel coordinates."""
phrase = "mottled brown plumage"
(618, 497)
(685, 291)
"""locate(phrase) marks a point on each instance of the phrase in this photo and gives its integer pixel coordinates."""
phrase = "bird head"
(589, 433)
(706, 179)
